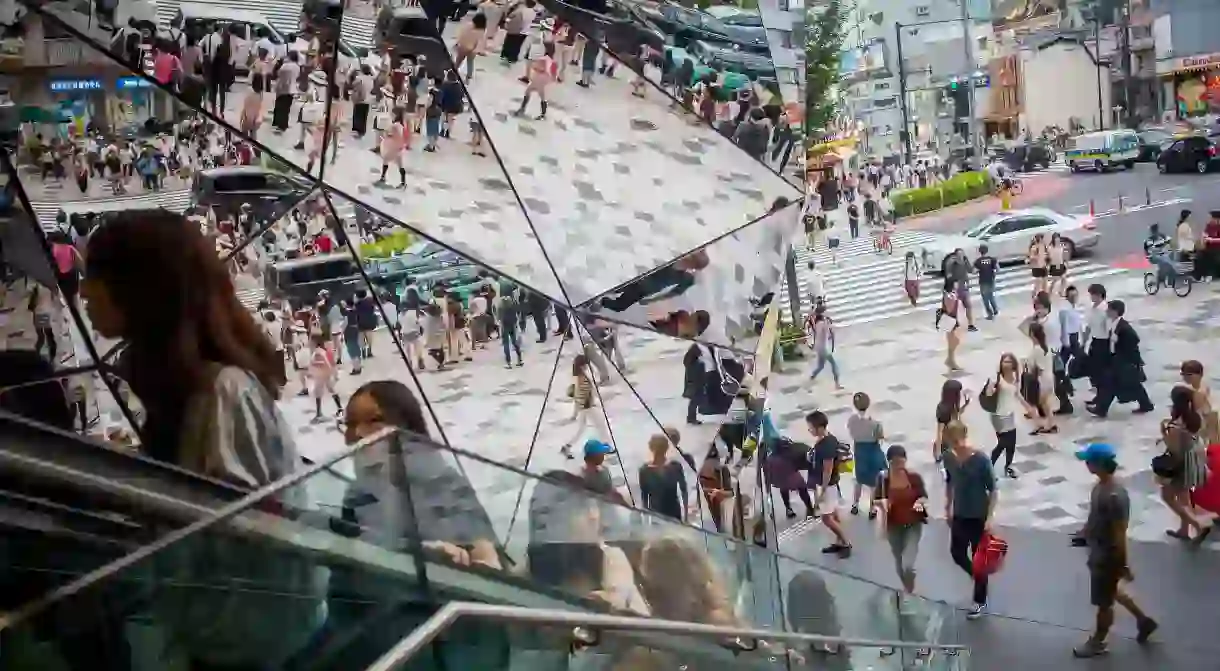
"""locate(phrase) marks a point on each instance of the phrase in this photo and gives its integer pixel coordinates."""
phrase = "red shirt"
(1212, 230)
(324, 244)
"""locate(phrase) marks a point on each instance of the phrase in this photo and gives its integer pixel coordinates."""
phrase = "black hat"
(895, 452)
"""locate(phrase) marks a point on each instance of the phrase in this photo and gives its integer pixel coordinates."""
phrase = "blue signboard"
(76, 85)
(132, 83)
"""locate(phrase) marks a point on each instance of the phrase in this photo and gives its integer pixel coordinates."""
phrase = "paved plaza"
(899, 364)
(622, 185)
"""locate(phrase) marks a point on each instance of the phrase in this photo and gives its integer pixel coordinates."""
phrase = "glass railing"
(332, 566)
(639, 643)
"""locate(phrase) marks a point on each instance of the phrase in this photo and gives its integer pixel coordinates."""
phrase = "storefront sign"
(76, 85)
(1188, 63)
(132, 83)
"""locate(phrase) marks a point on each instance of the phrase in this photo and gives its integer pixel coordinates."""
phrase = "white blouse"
(1006, 397)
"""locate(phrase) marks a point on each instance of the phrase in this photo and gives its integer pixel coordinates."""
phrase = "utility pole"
(1128, 84)
(902, 98)
(1101, 111)
(971, 66)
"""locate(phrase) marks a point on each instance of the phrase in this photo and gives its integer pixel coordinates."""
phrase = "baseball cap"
(1094, 452)
(594, 447)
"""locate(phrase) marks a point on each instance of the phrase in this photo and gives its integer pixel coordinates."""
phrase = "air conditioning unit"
(923, 10)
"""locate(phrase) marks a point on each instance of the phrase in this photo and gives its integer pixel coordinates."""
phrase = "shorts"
(1038, 273)
(831, 498)
(1103, 585)
(1058, 271)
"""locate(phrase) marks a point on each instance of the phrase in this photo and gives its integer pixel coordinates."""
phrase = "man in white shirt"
(1097, 333)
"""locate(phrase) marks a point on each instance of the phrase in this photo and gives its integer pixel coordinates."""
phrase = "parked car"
(227, 188)
(625, 29)
(1152, 142)
(1008, 236)
(686, 25)
(1193, 153)
(410, 32)
(1027, 156)
(745, 22)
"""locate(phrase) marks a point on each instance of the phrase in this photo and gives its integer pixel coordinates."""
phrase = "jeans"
(1165, 272)
(510, 337)
(988, 294)
(824, 357)
(1006, 445)
(964, 536)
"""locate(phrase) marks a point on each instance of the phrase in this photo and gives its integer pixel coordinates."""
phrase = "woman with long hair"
(953, 402)
(1039, 380)
(1056, 262)
(1036, 259)
(204, 370)
(208, 378)
(1006, 387)
(585, 412)
(1180, 433)
(904, 501)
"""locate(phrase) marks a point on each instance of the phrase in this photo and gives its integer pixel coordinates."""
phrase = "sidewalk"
(899, 365)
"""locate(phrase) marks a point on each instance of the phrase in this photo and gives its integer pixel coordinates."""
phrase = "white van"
(251, 27)
(1103, 150)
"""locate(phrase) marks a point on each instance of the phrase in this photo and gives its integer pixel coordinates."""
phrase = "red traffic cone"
(1092, 208)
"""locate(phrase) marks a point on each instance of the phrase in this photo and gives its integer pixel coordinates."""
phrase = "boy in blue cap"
(596, 475)
(1105, 535)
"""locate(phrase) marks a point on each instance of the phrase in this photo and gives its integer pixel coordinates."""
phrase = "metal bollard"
(1092, 208)
(1148, 196)
(1120, 203)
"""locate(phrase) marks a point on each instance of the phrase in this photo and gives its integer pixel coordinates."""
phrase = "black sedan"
(1195, 153)
(688, 25)
(1151, 143)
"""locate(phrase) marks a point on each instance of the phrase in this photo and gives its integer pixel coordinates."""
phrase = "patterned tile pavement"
(899, 365)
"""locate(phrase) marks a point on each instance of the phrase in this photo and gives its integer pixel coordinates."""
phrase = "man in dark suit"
(1123, 379)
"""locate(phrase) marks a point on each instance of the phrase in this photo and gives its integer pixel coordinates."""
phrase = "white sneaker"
(976, 611)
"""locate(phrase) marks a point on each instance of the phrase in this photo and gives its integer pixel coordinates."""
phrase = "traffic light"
(953, 85)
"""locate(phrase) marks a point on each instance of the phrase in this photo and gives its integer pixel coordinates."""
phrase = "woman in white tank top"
(1056, 259)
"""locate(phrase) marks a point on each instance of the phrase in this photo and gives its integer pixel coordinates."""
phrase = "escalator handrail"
(454, 611)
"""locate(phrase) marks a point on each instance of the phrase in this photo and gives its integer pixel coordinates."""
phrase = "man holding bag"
(970, 500)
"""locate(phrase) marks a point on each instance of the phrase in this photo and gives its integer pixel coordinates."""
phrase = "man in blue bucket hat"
(1105, 535)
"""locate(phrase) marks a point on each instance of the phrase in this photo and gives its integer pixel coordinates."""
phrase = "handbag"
(989, 556)
(990, 402)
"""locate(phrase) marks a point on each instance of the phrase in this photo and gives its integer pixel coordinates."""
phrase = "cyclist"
(1156, 248)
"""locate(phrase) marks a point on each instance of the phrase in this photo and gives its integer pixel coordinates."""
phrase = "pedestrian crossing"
(283, 15)
(850, 248)
(250, 298)
(1057, 167)
(870, 290)
(175, 201)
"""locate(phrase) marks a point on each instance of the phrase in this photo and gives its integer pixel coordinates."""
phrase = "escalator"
(148, 567)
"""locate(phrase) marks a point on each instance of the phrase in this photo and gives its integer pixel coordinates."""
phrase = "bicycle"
(881, 240)
(1182, 282)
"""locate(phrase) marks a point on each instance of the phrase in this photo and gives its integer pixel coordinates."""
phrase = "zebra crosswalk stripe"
(250, 298)
(862, 246)
(175, 201)
(869, 292)
(284, 16)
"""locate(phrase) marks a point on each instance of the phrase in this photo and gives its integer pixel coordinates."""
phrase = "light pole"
(1101, 111)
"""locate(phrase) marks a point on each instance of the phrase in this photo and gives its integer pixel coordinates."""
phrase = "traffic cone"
(1092, 208)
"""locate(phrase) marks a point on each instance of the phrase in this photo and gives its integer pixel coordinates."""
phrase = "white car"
(1009, 234)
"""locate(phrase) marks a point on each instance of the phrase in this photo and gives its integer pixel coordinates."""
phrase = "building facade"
(921, 41)
(785, 24)
(1187, 51)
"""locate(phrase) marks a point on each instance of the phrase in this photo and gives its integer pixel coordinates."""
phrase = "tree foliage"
(824, 42)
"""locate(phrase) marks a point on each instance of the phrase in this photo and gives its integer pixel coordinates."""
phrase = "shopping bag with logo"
(990, 555)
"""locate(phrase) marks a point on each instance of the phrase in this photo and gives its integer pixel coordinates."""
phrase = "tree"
(823, 43)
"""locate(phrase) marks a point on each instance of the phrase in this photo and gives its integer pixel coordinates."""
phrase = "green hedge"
(394, 243)
(957, 189)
